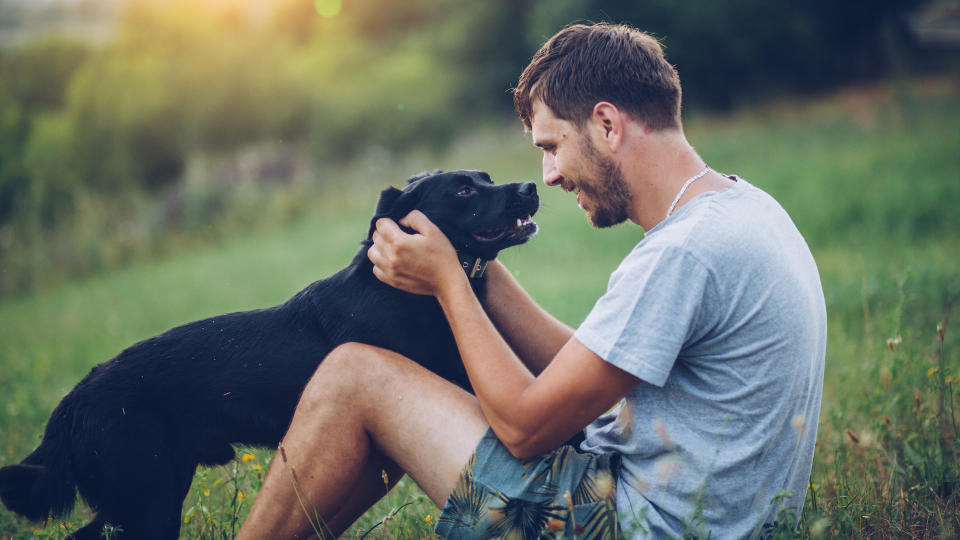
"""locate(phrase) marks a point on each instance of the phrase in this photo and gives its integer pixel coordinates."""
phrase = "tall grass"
(871, 182)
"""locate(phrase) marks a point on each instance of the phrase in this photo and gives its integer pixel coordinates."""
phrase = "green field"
(872, 179)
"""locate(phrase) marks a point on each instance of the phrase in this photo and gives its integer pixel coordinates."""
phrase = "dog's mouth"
(521, 228)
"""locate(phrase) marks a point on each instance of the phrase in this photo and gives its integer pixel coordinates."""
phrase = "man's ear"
(394, 203)
(608, 121)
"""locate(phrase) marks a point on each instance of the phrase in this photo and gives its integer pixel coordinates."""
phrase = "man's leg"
(369, 489)
(364, 407)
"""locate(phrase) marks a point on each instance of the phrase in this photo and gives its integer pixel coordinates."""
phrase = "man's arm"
(534, 334)
(529, 414)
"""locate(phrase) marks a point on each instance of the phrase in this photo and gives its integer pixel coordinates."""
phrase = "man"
(697, 375)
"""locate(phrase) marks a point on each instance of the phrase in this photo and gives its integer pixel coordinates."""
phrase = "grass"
(871, 178)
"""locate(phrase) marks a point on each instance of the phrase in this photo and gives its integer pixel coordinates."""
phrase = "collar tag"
(473, 266)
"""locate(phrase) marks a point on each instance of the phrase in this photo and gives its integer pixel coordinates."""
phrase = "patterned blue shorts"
(563, 493)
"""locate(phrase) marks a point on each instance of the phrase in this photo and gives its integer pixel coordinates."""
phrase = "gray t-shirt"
(719, 310)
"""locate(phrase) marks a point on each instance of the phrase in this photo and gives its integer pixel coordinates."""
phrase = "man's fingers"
(419, 222)
(387, 228)
(380, 274)
(379, 260)
(374, 255)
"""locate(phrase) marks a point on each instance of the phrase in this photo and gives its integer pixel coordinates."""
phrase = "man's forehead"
(539, 111)
(544, 124)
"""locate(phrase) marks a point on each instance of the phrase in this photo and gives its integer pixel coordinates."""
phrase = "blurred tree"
(37, 73)
(735, 51)
(14, 181)
(49, 165)
(490, 38)
(294, 20)
(128, 124)
(180, 79)
(376, 22)
(33, 80)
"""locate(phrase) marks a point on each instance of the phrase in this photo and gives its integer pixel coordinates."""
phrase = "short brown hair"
(582, 65)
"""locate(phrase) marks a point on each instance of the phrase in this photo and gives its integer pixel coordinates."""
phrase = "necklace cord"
(684, 189)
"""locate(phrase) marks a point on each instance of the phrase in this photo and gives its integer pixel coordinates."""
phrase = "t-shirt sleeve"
(651, 308)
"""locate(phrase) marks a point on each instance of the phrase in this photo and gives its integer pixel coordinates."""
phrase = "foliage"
(732, 52)
(896, 190)
(92, 134)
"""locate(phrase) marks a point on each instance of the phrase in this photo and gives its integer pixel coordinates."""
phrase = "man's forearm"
(500, 379)
(535, 335)
(530, 415)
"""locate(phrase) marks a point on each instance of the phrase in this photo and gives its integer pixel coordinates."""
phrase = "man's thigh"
(427, 425)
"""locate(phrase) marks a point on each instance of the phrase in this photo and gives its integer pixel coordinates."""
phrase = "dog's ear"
(394, 203)
(388, 197)
(422, 175)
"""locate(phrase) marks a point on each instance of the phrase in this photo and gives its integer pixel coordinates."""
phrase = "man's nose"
(551, 176)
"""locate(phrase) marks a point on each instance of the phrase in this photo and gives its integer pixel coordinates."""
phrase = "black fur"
(130, 435)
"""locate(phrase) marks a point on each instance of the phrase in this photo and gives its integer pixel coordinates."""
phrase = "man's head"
(582, 65)
(590, 97)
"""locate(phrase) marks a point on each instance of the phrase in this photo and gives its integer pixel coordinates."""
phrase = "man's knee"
(345, 355)
(333, 373)
(355, 359)
(349, 367)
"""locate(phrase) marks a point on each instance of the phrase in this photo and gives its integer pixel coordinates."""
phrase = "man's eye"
(466, 191)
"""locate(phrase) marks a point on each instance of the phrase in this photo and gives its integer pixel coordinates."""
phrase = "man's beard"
(607, 190)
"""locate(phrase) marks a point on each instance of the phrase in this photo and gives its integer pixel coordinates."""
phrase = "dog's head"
(477, 216)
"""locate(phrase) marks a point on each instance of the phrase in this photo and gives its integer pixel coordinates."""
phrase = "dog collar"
(473, 266)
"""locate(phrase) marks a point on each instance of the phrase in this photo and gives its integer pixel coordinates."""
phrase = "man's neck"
(656, 167)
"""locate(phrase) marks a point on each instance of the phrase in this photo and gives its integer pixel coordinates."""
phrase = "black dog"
(140, 423)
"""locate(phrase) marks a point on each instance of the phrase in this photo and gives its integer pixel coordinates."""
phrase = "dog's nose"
(527, 189)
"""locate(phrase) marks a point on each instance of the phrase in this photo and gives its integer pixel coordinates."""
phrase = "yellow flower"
(931, 371)
(239, 495)
(247, 457)
(257, 467)
(428, 518)
(206, 493)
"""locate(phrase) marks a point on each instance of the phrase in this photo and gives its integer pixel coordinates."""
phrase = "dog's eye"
(466, 191)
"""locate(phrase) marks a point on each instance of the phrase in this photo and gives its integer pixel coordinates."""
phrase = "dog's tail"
(43, 483)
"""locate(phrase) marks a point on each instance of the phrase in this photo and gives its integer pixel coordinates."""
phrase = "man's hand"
(422, 263)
